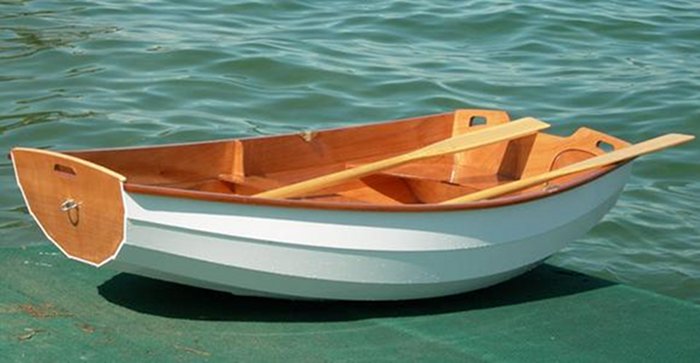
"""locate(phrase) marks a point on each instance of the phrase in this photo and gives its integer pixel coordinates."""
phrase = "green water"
(77, 74)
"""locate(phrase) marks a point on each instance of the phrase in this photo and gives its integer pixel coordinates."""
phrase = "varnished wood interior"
(234, 169)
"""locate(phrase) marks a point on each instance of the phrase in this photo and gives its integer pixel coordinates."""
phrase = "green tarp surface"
(53, 309)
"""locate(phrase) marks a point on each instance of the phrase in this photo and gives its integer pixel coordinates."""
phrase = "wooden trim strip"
(262, 137)
(74, 159)
(318, 205)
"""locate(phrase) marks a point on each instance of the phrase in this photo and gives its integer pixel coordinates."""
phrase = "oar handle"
(471, 140)
(645, 147)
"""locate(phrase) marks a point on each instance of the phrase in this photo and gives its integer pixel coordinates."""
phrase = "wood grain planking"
(94, 230)
(486, 158)
(166, 164)
(334, 147)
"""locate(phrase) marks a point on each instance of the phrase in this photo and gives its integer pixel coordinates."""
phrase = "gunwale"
(172, 191)
(330, 205)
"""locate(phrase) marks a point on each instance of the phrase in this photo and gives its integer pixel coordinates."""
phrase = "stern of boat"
(79, 205)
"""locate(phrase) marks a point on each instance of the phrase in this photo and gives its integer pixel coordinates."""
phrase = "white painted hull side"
(353, 255)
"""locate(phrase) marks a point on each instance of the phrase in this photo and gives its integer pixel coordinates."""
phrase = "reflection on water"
(21, 120)
(80, 74)
(22, 42)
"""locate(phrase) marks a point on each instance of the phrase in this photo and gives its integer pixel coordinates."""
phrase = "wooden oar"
(486, 136)
(616, 156)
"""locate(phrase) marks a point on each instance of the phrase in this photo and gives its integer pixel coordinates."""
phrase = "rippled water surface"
(77, 74)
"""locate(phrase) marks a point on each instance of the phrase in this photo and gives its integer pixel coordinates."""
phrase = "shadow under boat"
(161, 298)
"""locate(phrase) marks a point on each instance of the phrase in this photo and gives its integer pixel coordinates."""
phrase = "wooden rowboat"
(386, 215)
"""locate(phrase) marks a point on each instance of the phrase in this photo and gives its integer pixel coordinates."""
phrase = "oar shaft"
(616, 156)
(486, 136)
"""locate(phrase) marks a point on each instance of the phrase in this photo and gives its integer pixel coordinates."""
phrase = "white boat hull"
(353, 255)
